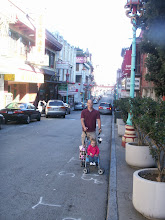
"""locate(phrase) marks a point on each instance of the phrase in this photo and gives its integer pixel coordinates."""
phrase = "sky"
(99, 25)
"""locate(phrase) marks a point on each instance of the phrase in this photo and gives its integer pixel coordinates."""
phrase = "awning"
(17, 71)
(53, 41)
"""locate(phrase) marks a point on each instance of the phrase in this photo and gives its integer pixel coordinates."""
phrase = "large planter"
(148, 196)
(121, 129)
(138, 156)
(119, 121)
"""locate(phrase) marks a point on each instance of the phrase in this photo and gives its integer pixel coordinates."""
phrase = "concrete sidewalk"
(120, 205)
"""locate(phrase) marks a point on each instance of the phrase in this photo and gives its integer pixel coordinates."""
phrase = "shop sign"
(9, 77)
(62, 65)
(40, 35)
(137, 83)
(126, 94)
(81, 59)
(62, 87)
(123, 82)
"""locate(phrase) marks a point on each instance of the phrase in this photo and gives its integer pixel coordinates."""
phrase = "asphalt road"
(41, 177)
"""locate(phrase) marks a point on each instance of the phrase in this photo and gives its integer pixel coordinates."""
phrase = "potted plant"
(149, 184)
(123, 106)
(137, 154)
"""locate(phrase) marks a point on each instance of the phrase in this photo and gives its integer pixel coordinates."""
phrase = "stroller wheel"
(100, 171)
(85, 170)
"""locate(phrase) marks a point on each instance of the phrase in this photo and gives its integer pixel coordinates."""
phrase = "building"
(84, 75)
(65, 68)
(142, 87)
(27, 57)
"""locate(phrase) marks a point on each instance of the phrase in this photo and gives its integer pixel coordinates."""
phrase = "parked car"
(41, 106)
(21, 112)
(55, 108)
(2, 120)
(105, 108)
(67, 106)
(78, 106)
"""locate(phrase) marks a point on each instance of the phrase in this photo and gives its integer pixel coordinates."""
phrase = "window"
(51, 58)
(77, 67)
(78, 78)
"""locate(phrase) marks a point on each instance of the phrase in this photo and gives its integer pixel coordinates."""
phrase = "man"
(89, 116)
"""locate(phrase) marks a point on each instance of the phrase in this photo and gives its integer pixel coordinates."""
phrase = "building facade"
(27, 57)
(84, 75)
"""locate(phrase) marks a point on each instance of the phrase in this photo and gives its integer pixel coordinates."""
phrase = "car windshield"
(78, 103)
(55, 103)
(105, 104)
(15, 105)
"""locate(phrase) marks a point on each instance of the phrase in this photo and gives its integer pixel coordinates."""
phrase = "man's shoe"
(91, 163)
(94, 164)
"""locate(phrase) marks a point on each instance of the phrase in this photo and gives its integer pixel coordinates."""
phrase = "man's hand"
(96, 155)
(91, 154)
(85, 128)
(100, 130)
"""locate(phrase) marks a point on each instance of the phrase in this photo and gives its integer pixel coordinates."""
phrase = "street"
(41, 176)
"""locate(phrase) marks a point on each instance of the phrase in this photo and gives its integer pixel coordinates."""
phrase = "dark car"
(105, 108)
(2, 120)
(21, 112)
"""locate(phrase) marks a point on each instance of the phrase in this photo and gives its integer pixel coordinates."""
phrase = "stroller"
(85, 159)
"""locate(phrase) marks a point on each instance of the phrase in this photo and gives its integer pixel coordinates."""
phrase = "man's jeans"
(93, 159)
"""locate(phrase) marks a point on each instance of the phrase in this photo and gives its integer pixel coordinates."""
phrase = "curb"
(112, 209)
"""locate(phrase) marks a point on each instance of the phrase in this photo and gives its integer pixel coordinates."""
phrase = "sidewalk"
(120, 205)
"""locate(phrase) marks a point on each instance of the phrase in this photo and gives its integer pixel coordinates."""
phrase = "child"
(93, 152)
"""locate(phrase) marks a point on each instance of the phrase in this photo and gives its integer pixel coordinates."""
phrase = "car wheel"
(63, 116)
(27, 120)
(46, 116)
(0, 126)
(39, 118)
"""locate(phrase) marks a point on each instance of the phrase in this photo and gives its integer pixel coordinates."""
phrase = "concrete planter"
(148, 196)
(120, 121)
(121, 129)
(138, 156)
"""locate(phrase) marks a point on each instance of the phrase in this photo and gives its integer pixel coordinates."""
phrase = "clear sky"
(99, 25)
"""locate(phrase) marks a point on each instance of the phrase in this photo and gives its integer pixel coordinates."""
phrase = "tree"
(153, 43)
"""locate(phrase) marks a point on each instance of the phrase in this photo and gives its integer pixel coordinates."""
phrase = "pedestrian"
(93, 152)
(89, 116)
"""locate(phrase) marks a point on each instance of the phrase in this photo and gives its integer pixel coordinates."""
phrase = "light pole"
(134, 11)
(67, 81)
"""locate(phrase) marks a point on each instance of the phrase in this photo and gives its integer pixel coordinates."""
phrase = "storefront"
(19, 82)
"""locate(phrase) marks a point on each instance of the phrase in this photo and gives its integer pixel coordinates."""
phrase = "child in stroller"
(90, 160)
(93, 152)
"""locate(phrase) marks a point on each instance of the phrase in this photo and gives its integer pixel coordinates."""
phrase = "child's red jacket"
(93, 150)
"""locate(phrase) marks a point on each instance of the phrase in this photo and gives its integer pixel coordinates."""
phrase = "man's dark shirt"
(90, 119)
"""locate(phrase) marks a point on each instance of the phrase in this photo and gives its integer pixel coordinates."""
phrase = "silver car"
(55, 108)
(78, 106)
(105, 108)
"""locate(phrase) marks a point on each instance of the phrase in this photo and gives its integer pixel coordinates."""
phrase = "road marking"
(72, 159)
(83, 177)
(68, 218)
(64, 173)
(46, 204)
